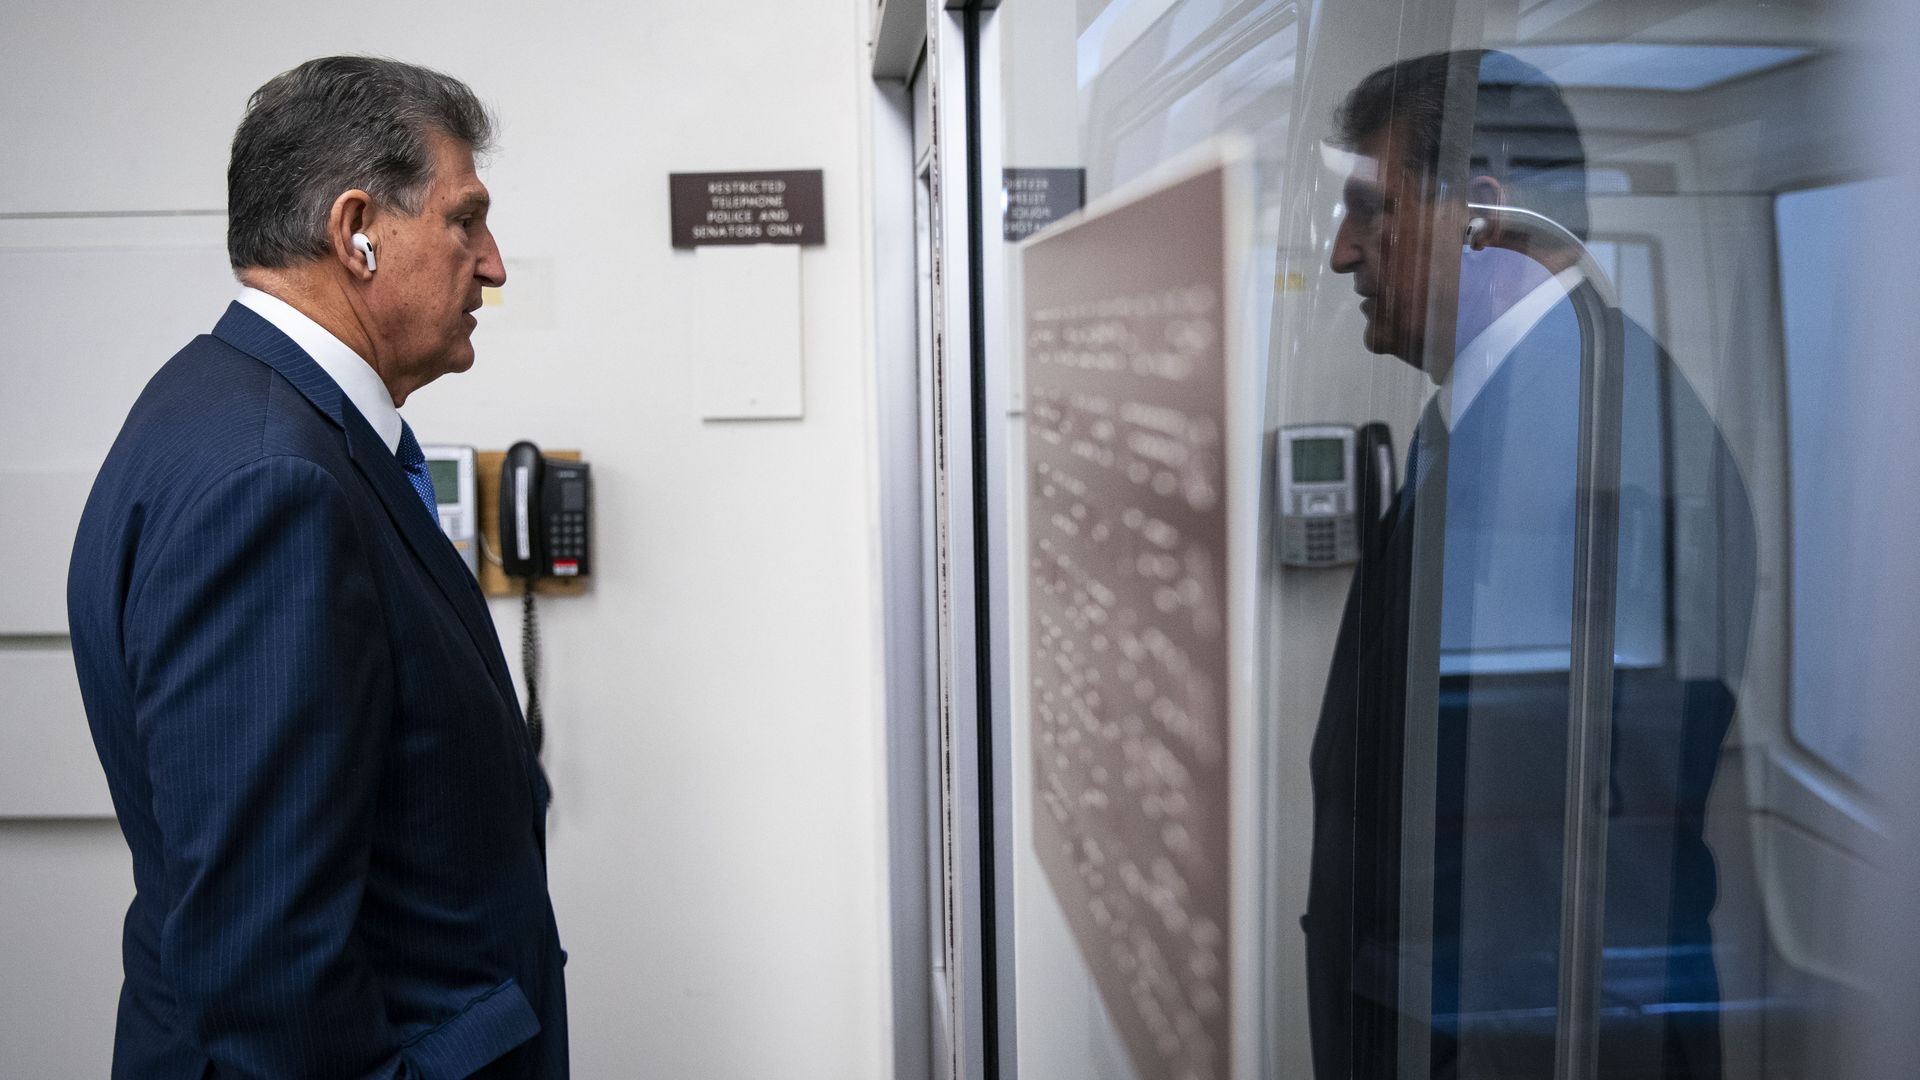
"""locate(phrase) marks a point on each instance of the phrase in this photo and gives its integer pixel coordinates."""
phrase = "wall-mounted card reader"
(452, 469)
(1318, 495)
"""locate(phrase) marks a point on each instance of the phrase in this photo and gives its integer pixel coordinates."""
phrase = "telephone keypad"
(1329, 541)
(567, 539)
(567, 535)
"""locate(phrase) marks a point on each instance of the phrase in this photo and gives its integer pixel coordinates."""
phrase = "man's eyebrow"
(471, 202)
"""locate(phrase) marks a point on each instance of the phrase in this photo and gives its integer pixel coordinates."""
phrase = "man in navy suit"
(1451, 672)
(310, 733)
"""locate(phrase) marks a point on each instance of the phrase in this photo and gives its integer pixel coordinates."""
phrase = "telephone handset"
(545, 522)
(521, 476)
(1379, 478)
(545, 515)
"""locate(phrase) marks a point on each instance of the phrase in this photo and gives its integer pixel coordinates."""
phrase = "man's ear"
(1483, 228)
(353, 212)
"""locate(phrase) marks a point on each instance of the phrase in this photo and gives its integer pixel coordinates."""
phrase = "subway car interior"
(1240, 540)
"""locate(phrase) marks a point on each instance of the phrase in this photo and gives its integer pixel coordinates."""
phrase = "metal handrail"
(1583, 865)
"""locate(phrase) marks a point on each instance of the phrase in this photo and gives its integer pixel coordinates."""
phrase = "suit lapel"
(429, 544)
(245, 330)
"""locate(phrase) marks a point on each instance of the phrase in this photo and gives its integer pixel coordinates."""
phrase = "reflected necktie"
(415, 463)
(1427, 436)
(1413, 464)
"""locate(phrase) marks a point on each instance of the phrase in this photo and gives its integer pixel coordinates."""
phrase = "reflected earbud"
(1477, 232)
(365, 247)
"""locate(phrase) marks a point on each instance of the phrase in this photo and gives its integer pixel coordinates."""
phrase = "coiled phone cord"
(530, 667)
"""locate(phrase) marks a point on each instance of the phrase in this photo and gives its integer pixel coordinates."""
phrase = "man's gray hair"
(329, 126)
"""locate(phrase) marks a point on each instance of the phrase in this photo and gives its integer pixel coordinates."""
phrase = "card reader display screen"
(446, 479)
(1319, 461)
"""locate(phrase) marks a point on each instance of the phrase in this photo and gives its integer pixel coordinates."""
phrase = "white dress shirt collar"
(352, 374)
(1481, 358)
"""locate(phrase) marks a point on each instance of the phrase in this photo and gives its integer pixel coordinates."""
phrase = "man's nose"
(492, 269)
(1346, 255)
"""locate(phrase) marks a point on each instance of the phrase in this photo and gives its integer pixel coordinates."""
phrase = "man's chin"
(1378, 341)
(1381, 343)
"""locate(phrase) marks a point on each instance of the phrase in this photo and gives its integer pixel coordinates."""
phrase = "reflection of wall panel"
(1127, 552)
(1168, 85)
(1038, 83)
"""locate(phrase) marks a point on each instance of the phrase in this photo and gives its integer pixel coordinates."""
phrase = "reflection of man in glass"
(1458, 631)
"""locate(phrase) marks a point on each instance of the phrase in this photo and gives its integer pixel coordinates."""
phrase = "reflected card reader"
(452, 470)
(1318, 494)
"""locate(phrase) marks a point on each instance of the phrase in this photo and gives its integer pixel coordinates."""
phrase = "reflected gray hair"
(329, 126)
(1522, 132)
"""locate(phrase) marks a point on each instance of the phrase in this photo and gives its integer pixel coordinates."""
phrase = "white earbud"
(1477, 233)
(365, 247)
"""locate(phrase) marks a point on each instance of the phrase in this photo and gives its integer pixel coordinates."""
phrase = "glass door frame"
(949, 777)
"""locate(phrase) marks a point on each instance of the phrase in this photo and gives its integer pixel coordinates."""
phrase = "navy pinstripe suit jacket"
(313, 745)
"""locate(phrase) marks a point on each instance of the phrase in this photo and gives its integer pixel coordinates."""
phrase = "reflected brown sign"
(1036, 198)
(748, 208)
(1126, 549)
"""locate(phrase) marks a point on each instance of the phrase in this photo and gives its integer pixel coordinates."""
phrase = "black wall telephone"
(545, 515)
(545, 522)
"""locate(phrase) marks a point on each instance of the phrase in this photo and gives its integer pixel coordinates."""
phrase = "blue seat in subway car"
(1683, 600)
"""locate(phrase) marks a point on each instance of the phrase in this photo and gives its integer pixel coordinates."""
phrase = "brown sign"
(748, 208)
(1125, 326)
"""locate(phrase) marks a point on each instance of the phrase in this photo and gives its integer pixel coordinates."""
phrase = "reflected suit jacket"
(1498, 490)
(312, 742)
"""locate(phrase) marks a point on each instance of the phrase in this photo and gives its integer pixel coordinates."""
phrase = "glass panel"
(1098, 99)
(1558, 306)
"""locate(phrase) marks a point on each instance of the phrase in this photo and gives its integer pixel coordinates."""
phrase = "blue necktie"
(415, 462)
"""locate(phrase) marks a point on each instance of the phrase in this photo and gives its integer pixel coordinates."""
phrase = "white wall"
(713, 705)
